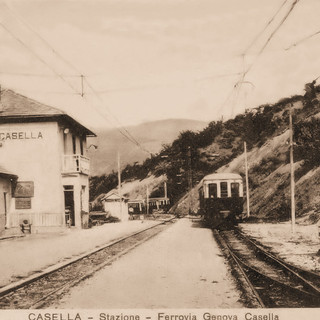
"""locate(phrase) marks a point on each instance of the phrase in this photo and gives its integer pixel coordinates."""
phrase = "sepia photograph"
(159, 159)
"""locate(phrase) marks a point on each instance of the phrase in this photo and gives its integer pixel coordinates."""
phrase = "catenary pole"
(189, 180)
(165, 189)
(247, 179)
(292, 184)
(119, 185)
(82, 87)
(147, 199)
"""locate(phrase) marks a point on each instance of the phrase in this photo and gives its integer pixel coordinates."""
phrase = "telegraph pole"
(247, 179)
(82, 87)
(189, 178)
(292, 184)
(165, 189)
(119, 184)
(147, 199)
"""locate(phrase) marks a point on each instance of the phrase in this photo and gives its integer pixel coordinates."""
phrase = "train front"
(221, 199)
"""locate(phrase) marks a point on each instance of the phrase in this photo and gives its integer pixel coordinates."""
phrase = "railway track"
(43, 290)
(274, 283)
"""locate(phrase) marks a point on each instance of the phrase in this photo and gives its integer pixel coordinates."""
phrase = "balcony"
(75, 163)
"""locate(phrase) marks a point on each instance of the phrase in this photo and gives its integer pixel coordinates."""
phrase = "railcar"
(221, 199)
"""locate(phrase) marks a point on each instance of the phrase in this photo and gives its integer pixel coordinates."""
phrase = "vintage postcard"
(159, 159)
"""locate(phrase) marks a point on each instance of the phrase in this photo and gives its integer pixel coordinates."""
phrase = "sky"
(145, 60)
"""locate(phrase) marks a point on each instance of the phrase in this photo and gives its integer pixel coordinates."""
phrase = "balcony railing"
(75, 163)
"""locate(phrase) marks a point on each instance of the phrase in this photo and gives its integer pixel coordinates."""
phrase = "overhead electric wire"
(37, 56)
(236, 88)
(280, 24)
(155, 86)
(295, 2)
(95, 92)
(24, 22)
(130, 138)
(218, 76)
(238, 84)
(302, 40)
(265, 27)
(229, 96)
(26, 74)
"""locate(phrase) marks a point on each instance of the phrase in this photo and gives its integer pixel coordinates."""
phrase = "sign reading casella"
(24, 189)
(21, 135)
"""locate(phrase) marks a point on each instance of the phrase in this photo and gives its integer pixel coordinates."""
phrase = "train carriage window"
(235, 189)
(213, 193)
(224, 189)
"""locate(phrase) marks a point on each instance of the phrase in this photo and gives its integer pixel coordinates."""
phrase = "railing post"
(75, 163)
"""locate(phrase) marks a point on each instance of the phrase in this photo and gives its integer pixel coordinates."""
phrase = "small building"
(46, 149)
(112, 205)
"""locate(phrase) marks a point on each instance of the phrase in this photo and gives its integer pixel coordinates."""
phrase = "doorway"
(69, 205)
(5, 208)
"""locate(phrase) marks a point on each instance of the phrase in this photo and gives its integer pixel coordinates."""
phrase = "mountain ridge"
(265, 129)
(151, 136)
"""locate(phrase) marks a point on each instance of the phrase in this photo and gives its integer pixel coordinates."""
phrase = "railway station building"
(44, 168)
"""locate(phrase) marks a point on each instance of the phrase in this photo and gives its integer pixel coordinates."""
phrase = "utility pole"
(247, 179)
(147, 199)
(119, 185)
(82, 91)
(165, 189)
(165, 196)
(189, 178)
(292, 184)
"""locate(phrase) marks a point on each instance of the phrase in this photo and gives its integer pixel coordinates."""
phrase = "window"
(235, 189)
(81, 146)
(224, 189)
(74, 144)
(213, 193)
(68, 187)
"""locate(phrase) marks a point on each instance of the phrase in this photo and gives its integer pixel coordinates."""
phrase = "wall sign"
(23, 203)
(21, 135)
(24, 189)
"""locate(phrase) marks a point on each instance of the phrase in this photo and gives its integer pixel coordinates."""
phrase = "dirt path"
(180, 268)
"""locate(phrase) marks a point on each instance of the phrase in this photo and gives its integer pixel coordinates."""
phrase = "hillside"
(265, 129)
(269, 168)
(152, 135)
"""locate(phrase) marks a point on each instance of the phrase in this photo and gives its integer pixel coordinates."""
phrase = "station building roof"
(113, 195)
(7, 174)
(15, 107)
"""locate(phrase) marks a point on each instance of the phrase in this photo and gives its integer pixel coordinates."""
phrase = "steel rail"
(314, 294)
(12, 288)
(40, 302)
(253, 289)
(285, 265)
